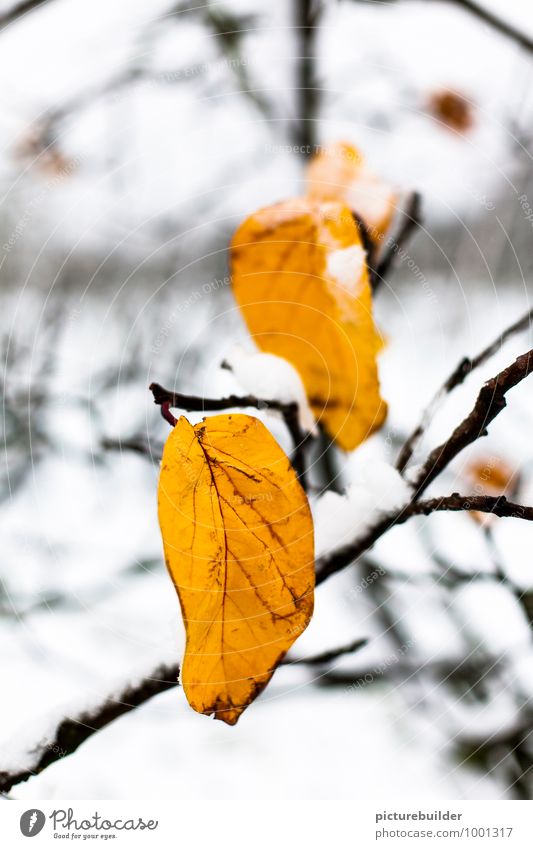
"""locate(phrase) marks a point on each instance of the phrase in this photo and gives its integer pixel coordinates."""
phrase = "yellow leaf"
(238, 540)
(300, 278)
(339, 172)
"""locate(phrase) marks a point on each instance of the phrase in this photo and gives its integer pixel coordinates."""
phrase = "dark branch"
(19, 10)
(465, 367)
(411, 220)
(497, 505)
(489, 18)
(343, 557)
(325, 657)
(401, 668)
(490, 402)
(166, 399)
(496, 23)
(136, 444)
(307, 90)
(73, 731)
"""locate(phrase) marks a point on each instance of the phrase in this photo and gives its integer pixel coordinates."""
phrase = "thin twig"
(411, 220)
(136, 444)
(19, 10)
(327, 656)
(496, 23)
(489, 403)
(73, 731)
(498, 505)
(166, 399)
(465, 367)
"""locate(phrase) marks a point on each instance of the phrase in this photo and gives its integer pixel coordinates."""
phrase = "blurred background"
(134, 138)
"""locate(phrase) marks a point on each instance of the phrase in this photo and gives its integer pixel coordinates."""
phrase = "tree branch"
(136, 444)
(498, 505)
(325, 657)
(464, 368)
(73, 731)
(19, 10)
(489, 404)
(489, 18)
(411, 219)
(307, 90)
(166, 399)
(496, 23)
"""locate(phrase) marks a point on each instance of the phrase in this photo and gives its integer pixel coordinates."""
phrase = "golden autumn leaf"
(339, 172)
(299, 275)
(238, 540)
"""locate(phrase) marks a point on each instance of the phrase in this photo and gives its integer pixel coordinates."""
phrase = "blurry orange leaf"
(339, 172)
(238, 541)
(451, 109)
(300, 278)
(491, 476)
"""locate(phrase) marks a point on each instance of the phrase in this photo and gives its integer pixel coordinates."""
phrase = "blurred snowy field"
(116, 275)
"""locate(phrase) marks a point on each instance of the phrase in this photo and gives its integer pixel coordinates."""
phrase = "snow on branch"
(489, 404)
(464, 368)
(71, 732)
(289, 410)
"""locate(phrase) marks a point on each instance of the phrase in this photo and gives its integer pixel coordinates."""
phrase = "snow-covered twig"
(465, 367)
(71, 732)
(342, 557)
(136, 444)
(166, 399)
(489, 403)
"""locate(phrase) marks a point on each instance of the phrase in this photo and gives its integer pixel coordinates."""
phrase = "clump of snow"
(346, 267)
(377, 489)
(371, 197)
(272, 378)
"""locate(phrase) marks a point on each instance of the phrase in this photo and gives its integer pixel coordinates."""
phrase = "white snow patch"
(273, 378)
(339, 519)
(346, 267)
(371, 198)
